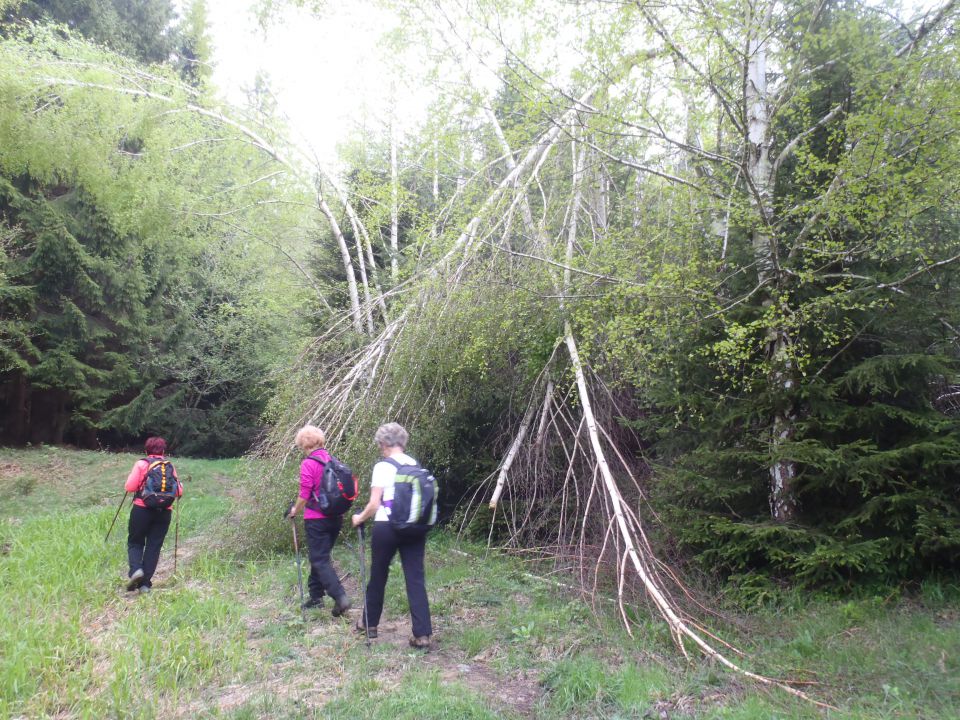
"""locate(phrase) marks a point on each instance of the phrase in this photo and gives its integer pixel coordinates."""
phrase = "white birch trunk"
(355, 314)
(758, 152)
(511, 165)
(603, 199)
(461, 163)
(362, 265)
(436, 188)
(394, 207)
(760, 177)
(511, 455)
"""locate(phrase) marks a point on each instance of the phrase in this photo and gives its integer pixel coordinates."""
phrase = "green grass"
(46, 479)
(71, 643)
(416, 696)
(224, 637)
(584, 682)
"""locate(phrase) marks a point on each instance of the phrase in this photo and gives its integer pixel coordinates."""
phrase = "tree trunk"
(758, 155)
(355, 314)
(394, 207)
(759, 172)
(436, 189)
(367, 304)
(21, 409)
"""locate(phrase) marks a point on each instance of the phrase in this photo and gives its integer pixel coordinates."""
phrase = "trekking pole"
(176, 538)
(296, 549)
(363, 581)
(119, 508)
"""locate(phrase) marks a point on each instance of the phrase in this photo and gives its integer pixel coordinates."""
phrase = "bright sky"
(333, 74)
(328, 75)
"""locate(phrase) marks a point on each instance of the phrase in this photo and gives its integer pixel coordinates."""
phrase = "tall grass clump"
(51, 582)
(584, 686)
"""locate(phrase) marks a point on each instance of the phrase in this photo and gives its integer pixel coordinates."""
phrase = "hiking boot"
(341, 605)
(144, 589)
(133, 582)
(420, 643)
(313, 603)
(371, 632)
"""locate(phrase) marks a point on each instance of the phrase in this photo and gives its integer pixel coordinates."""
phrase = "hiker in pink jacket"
(322, 531)
(150, 513)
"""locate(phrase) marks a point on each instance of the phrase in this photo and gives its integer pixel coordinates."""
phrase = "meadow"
(223, 637)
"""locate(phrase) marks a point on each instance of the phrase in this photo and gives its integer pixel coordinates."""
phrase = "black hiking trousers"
(321, 535)
(145, 533)
(385, 544)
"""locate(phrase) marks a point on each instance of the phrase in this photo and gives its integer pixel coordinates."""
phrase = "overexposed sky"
(334, 73)
(328, 75)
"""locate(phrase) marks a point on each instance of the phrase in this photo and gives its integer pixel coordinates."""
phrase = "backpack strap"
(397, 464)
(316, 488)
(143, 480)
(150, 460)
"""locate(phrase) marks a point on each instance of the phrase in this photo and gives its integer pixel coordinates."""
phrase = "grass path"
(224, 638)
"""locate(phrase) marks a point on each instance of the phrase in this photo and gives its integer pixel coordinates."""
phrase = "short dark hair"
(155, 446)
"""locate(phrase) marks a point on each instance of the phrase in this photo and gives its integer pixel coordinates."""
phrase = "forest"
(666, 294)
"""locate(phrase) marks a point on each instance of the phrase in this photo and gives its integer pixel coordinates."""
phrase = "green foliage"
(744, 343)
(877, 460)
(140, 293)
(868, 355)
(140, 30)
(195, 53)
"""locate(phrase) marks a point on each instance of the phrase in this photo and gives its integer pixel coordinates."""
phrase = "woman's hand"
(376, 494)
(295, 508)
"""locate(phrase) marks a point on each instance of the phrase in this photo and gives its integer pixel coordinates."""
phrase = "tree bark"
(760, 181)
(355, 314)
(394, 207)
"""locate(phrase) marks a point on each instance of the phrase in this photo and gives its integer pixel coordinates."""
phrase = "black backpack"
(338, 488)
(160, 486)
(413, 510)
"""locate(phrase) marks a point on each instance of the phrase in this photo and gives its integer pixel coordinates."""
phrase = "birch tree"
(667, 284)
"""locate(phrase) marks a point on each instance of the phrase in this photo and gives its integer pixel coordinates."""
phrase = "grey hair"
(392, 435)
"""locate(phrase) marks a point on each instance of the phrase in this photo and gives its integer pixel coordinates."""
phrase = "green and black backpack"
(413, 510)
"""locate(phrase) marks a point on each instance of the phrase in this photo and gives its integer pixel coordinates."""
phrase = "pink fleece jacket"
(138, 474)
(311, 473)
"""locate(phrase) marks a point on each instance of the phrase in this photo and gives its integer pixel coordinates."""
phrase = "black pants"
(145, 533)
(321, 535)
(384, 546)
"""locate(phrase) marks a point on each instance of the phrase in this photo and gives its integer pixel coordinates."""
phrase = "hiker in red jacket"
(155, 485)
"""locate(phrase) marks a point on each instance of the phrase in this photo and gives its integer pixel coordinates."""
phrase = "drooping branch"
(258, 141)
(346, 259)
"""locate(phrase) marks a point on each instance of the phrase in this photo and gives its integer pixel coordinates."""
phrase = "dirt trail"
(325, 638)
(516, 693)
(271, 680)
